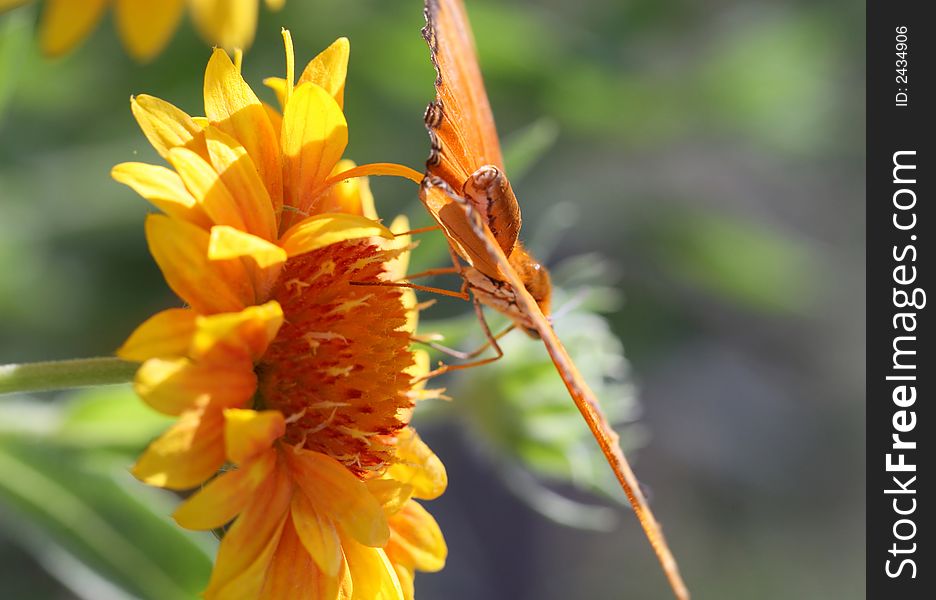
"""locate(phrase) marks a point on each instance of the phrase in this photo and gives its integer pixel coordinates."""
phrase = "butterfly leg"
(420, 230)
(463, 295)
(492, 342)
(433, 272)
(458, 353)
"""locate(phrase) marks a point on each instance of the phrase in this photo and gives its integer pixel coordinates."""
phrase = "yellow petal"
(166, 334)
(228, 242)
(232, 107)
(372, 573)
(391, 494)
(313, 139)
(396, 268)
(176, 385)
(207, 188)
(187, 454)
(318, 535)
(323, 230)
(329, 69)
(181, 251)
(66, 22)
(239, 175)
(340, 496)
(229, 24)
(10, 4)
(248, 433)
(406, 577)
(351, 196)
(146, 26)
(275, 4)
(418, 466)
(164, 188)
(248, 546)
(278, 85)
(229, 336)
(166, 126)
(262, 259)
(416, 540)
(419, 368)
(225, 496)
(293, 575)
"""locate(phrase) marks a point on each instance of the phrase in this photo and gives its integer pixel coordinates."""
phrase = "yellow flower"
(293, 388)
(145, 26)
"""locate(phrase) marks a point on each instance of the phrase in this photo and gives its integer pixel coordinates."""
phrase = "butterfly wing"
(460, 120)
(462, 134)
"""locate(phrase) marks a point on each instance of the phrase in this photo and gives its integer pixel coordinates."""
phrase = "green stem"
(64, 374)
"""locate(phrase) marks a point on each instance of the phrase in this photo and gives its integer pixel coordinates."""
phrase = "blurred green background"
(697, 168)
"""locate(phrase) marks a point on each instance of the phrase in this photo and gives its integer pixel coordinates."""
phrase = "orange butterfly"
(467, 192)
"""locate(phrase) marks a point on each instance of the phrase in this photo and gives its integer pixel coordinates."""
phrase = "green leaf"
(83, 506)
(742, 261)
(112, 417)
(524, 148)
(15, 38)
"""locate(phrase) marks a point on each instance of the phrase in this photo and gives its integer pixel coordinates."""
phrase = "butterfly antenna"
(569, 305)
(588, 406)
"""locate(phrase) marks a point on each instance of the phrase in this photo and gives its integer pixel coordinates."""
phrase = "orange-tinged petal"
(176, 385)
(340, 496)
(207, 188)
(248, 433)
(418, 466)
(232, 107)
(276, 120)
(232, 335)
(416, 539)
(293, 575)
(313, 138)
(248, 546)
(164, 188)
(390, 169)
(146, 26)
(181, 251)
(240, 176)
(329, 69)
(166, 126)
(318, 535)
(372, 573)
(166, 334)
(227, 242)
(229, 24)
(187, 454)
(225, 496)
(330, 228)
(66, 22)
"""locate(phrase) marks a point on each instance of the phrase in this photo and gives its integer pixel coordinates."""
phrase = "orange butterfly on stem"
(467, 192)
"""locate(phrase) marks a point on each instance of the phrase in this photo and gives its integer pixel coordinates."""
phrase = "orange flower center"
(336, 369)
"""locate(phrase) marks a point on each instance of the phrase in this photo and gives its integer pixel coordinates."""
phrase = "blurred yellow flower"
(293, 388)
(145, 26)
